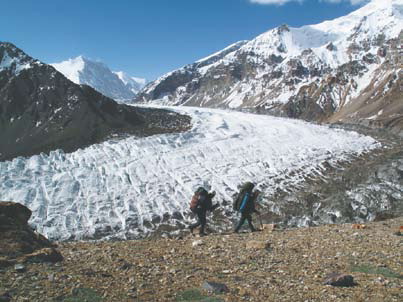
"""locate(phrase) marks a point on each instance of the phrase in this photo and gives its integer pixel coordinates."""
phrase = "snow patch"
(17, 64)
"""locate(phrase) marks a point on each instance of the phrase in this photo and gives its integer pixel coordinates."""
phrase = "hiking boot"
(202, 234)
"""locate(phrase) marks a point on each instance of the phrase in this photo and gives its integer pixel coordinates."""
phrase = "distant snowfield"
(123, 188)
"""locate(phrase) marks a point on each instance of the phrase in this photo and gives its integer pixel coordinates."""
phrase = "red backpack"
(196, 198)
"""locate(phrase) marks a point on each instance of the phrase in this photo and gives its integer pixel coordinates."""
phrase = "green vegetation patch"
(368, 269)
(83, 294)
(193, 295)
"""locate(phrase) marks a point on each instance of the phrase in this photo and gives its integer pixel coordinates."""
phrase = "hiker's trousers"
(248, 217)
(201, 220)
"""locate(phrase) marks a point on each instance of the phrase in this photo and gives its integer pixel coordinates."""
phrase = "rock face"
(16, 237)
(347, 69)
(41, 110)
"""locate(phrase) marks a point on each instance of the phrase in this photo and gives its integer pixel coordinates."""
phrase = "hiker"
(245, 204)
(200, 204)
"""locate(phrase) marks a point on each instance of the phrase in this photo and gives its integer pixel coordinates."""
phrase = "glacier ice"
(127, 187)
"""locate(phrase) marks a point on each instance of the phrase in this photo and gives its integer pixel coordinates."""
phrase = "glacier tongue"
(125, 187)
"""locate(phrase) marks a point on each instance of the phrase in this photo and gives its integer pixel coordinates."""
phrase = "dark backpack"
(197, 199)
(244, 197)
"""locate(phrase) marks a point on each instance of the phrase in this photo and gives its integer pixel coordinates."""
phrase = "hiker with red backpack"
(244, 203)
(201, 203)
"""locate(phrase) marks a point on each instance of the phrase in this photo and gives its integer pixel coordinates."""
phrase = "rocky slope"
(41, 110)
(282, 265)
(116, 85)
(348, 69)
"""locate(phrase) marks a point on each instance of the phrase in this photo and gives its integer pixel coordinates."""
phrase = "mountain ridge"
(41, 110)
(315, 72)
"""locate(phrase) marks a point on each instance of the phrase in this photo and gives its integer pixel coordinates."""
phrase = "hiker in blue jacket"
(245, 204)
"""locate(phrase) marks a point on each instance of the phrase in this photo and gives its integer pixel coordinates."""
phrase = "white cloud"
(353, 2)
(275, 2)
(281, 2)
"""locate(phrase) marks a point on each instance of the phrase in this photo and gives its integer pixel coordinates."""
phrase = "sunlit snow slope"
(126, 188)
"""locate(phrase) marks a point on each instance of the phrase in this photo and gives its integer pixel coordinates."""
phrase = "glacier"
(127, 187)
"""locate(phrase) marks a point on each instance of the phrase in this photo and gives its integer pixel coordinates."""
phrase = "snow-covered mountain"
(116, 85)
(348, 69)
(133, 83)
(41, 110)
(129, 188)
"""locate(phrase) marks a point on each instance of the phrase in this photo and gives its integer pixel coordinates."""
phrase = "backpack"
(198, 197)
(244, 197)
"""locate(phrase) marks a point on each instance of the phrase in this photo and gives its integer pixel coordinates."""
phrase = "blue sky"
(147, 38)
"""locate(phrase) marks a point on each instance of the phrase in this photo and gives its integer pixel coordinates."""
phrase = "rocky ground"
(278, 265)
(369, 187)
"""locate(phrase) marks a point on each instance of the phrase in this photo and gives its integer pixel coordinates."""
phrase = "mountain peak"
(96, 74)
(14, 59)
(71, 68)
(133, 83)
(283, 28)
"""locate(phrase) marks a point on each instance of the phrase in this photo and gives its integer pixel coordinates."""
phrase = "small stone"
(197, 243)
(20, 268)
(269, 227)
(213, 287)
(359, 226)
(340, 280)
(51, 277)
(126, 266)
(242, 292)
(257, 245)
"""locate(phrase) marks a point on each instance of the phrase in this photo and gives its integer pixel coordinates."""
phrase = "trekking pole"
(261, 223)
(257, 193)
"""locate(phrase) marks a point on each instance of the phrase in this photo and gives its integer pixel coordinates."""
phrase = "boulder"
(216, 288)
(44, 255)
(20, 268)
(340, 280)
(17, 238)
(12, 213)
